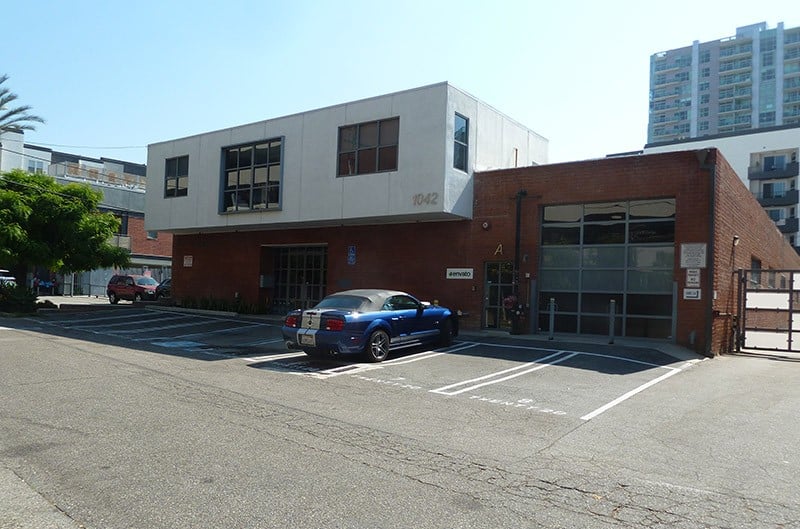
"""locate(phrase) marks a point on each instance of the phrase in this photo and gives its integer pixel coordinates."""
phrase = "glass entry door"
(499, 277)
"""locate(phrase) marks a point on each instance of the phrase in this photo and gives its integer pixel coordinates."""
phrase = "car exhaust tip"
(290, 345)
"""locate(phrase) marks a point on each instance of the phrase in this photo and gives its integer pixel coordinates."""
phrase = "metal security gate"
(769, 310)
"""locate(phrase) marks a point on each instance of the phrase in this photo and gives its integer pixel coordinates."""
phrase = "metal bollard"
(552, 308)
(612, 312)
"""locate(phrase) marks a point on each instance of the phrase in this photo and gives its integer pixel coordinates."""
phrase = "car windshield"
(146, 281)
(341, 302)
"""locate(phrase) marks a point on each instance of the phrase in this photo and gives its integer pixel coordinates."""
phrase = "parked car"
(164, 289)
(368, 321)
(131, 287)
(6, 279)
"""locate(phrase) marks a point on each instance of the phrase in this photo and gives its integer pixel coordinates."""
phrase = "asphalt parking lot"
(604, 428)
(569, 381)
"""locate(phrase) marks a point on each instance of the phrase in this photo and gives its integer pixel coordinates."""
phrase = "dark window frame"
(460, 162)
(257, 168)
(174, 172)
(368, 152)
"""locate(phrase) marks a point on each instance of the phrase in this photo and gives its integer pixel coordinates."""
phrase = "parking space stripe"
(83, 319)
(192, 335)
(124, 323)
(630, 394)
(540, 364)
(263, 342)
(270, 358)
(173, 326)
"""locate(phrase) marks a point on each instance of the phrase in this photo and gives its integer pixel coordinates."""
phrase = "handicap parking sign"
(351, 255)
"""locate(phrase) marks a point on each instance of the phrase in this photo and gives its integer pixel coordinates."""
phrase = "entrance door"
(300, 277)
(499, 277)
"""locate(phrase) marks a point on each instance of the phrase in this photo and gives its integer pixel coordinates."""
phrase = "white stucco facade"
(14, 154)
(424, 185)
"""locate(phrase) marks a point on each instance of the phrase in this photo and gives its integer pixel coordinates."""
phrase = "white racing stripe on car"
(311, 319)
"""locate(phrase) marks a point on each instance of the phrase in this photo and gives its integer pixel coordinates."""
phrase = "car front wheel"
(113, 298)
(377, 347)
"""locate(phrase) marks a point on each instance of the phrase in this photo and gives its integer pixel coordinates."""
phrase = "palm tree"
(14, 119)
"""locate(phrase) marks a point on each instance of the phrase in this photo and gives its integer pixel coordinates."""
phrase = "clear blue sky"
(109, 74)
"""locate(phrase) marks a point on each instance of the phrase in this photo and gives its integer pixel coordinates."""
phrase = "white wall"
(14, 154)
(311, 191)
(737, 149)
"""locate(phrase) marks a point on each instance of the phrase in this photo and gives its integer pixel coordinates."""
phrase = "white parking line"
(124, 323)
(631, 393)
(173, 326)
(270, 358)
(263, 342)
(205, 333)
(539, 364)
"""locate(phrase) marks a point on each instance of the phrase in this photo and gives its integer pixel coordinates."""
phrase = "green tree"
(14, 119)
(56, 226)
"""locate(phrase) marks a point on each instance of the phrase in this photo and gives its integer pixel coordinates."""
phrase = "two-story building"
(434, 192)
(280, 212)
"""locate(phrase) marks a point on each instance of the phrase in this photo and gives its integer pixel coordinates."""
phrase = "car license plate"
(307, 339)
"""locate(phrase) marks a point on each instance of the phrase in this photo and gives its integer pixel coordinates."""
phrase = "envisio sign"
(460, 273)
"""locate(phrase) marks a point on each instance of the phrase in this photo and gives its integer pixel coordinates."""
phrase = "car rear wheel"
(377, 347)
(112, 297)
(446, 333)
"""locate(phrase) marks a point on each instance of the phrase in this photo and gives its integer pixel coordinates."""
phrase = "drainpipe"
(516, 322)
(712, 200)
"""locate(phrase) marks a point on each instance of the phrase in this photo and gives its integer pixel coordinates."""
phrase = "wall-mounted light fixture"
(736, 240)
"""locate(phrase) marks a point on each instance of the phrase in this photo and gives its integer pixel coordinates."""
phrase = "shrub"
(17, 299)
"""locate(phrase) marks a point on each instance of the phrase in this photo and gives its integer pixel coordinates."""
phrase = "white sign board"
(691, 293)
(693, 255)
(187, 261)
(692, 277)
(460, 273)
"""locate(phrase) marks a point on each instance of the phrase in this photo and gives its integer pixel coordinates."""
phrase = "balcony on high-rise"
(787, 198)
(767, 172)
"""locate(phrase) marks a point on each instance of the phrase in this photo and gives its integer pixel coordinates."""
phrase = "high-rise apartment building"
(748, 81)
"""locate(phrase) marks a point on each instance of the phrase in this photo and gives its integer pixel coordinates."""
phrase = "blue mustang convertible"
(369, 322)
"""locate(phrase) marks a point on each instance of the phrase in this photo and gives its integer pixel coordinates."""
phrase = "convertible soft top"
(374, 298)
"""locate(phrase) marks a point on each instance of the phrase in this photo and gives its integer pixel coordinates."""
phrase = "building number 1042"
(425, 199)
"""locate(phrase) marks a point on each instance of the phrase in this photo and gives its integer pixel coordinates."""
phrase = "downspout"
(712, 200)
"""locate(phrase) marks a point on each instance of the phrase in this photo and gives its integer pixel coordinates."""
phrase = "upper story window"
(252, 176)
(774, 163)
(461, 143)
(368, 147)
(176, 177)
(35, 166)
(123, 223)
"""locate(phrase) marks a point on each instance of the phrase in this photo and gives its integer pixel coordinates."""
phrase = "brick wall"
(739, 214)
(140, 244)
(415, 256)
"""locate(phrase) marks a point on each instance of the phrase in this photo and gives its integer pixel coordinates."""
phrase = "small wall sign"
(693, 277)
(691, 293)
(351, 255)
(187, 261)
(693, 255)
(460, 273)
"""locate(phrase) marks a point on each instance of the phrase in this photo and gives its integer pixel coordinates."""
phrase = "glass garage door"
(594, 253)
